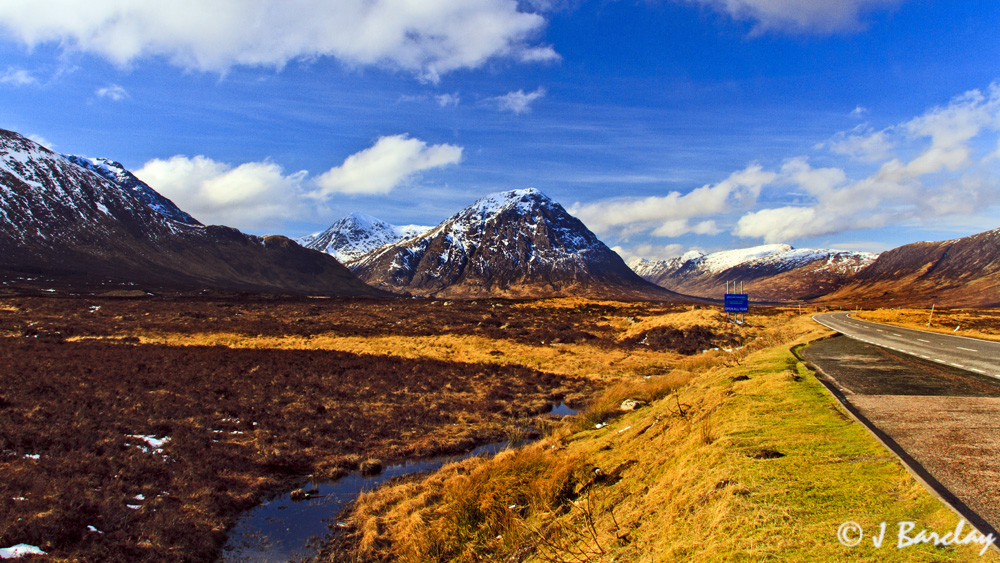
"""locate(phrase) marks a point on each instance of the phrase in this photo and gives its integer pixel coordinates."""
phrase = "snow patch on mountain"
(780, 257)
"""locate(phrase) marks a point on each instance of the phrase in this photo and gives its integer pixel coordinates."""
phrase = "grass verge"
(748, 462)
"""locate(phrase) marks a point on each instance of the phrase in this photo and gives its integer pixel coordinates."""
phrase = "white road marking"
(922, 340)
(978, 370)
(894, 334)
(966, 349)
(956, 365)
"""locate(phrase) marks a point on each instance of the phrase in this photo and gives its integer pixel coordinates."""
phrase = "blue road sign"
(737, 303)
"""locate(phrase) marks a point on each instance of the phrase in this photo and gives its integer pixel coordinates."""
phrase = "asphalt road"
(978, 356)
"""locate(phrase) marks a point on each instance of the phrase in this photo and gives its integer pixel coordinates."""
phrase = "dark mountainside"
(963, 272)
(66, 222)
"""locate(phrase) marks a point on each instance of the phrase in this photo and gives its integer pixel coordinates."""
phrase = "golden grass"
(564, 359)
(750, 462)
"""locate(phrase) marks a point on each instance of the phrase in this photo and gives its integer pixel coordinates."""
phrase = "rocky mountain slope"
(773, 273)
(512, 244)
(91, 222)
(358, 234)
(962, 272)
(117, 173)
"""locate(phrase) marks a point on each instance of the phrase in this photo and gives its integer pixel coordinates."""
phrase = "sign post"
(736, 303)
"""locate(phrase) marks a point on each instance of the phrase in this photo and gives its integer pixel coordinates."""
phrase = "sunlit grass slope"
(747, 462)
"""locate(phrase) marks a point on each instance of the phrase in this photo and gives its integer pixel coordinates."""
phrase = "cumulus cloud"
(390, 162)
(944, 177)
(17, 77)
(649, 251)
(427, 38)
(253, 195)
(669, 214)
(112, 92)
(859, 112)
(949, 170)
(800, 16)
(517, 102)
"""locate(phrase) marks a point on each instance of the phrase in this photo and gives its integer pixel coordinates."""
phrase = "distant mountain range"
(90, 222)
(519, 243)
(769, 273)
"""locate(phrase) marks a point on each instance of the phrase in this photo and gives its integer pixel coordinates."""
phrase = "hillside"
(77, 224)
(962, 272)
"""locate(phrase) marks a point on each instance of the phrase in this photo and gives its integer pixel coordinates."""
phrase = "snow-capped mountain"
(512, 244)
(963, 272)
(117, 173)
(358, 234)
(773, 272)
(65, 220)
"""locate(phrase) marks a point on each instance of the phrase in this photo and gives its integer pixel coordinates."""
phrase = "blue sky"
(666, 125)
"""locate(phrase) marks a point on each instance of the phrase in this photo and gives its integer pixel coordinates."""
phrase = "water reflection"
(280, 529)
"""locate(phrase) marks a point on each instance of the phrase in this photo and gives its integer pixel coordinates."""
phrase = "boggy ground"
(138, 429)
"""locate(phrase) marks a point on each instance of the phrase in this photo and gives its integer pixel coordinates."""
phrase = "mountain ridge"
(962, 272)
(770, 273)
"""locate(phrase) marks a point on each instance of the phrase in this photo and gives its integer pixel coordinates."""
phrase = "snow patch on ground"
(19, 550)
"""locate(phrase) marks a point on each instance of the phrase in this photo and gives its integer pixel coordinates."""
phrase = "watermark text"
(851, 534)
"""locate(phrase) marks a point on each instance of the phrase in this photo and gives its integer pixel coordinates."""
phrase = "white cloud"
(428, 38)
(112, 92)
(650, 251)
(669, 214)
(447, 100)
(42, 141)
(863, 143)
(944, 178)
(253, 195)
(859, 112)
(800, 16)
(517, 102)
(390, 162)
(18, 77)
(679, 227)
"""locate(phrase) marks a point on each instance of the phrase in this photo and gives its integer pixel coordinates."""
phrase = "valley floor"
(140, 428)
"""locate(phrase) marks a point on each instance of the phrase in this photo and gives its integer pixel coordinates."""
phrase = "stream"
(279, 529)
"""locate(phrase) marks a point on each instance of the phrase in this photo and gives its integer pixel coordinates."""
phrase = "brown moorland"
(138, 429)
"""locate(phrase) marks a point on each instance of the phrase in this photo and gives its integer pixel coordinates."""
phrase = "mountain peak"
(518, 243)
(357, 234)
(524, 199)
